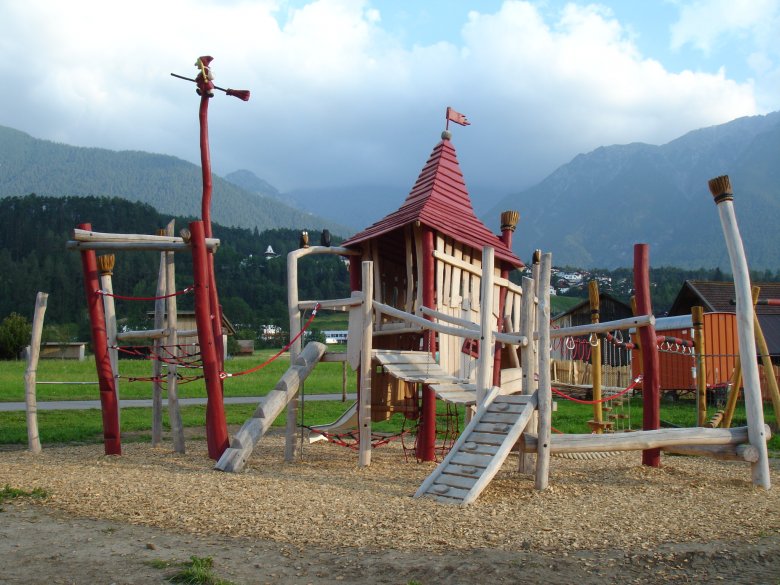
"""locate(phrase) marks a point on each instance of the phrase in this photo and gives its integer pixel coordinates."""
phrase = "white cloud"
(704, 23)
(335, 98)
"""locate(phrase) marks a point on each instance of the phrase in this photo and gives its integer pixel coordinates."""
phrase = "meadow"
(85, 426)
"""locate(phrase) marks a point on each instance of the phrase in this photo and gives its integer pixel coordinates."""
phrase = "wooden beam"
(30, 399)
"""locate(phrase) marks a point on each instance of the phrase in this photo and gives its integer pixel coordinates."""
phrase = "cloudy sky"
(351, 92)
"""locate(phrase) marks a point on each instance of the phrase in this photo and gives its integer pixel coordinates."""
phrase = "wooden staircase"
(481, 449)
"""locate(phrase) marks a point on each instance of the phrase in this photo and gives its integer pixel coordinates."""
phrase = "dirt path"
(322, 520)
(39, 545)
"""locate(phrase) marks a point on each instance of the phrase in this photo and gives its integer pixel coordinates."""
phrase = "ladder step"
(491, 427)
(496, 418)
(474, 448)
(487, 438)
(439, 489)
(471, 460)
(464, 470)
(457, 481)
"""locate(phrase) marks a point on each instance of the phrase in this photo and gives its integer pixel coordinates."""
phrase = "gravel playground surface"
(323, 520)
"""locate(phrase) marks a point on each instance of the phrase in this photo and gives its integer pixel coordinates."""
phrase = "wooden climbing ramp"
(244, 441)
(481, 449)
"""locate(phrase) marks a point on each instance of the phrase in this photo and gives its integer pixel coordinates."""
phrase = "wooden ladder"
(481, 449)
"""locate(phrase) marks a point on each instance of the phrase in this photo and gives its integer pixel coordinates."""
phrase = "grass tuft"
(9, 493)
(199, 571)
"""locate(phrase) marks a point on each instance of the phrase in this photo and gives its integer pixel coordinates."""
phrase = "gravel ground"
(612, 520)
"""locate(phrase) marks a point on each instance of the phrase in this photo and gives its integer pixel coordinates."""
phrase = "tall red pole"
(426, 436)
(216, 424)
(97, 318)
(205, 88)
(651, 383)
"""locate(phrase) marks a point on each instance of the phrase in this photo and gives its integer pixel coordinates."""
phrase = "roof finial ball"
(446, 135)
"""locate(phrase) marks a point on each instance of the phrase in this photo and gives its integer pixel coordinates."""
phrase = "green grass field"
(60, 426)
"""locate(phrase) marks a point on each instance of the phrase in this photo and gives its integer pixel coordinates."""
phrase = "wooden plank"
(493, 427)
(489, 438)
(506, 408)
(642, 440)
(512, 399)
(498, 418)
(486, 346)
(474, 448)
(470, 460)
(409, 252)
(439, 489)
(457, 481)
(464, 470)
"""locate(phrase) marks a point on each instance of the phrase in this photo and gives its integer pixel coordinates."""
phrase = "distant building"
(335, 336)
(269, 252)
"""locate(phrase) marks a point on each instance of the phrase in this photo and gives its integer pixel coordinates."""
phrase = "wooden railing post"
(720, 187)
(364, 408)
(701, 365)
(31, 403)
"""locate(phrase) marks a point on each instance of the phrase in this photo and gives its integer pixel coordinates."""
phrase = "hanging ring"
(594, 339)
(618, 337)
(570, 345)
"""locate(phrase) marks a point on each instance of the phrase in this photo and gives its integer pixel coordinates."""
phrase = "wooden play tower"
(427, 258)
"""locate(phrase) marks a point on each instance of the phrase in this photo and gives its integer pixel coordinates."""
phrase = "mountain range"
(588, 213)
(169, 184)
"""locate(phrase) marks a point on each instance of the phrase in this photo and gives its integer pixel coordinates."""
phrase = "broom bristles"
(242, 94)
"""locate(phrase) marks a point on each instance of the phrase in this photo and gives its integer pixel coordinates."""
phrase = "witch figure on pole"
(208, 312)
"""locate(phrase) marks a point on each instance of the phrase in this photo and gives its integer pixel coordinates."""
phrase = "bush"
(15, 334)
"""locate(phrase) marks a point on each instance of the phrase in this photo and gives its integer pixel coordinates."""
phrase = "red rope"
(607, 399)
(224, 375)
(127, 298)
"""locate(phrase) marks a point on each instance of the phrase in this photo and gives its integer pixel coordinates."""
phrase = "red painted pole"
(651, 383)
(216, 424)
(426, 437)
(205, 210)
(97, 318)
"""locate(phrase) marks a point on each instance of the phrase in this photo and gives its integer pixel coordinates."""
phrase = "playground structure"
(432, 316)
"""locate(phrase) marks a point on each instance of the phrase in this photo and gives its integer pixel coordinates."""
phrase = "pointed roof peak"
(439, 199)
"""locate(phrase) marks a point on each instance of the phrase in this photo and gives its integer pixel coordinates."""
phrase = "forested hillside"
(170, 184)
(252, 288)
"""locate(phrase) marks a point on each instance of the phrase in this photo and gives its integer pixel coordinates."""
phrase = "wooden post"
(697, 313)
(544, 394)
(486, 340)
(766, 360)
(112, 442)
(426, 437)
(106, 267)
(159, 319)
(596, 425)
(527, 362)
(172, 340)
(294, 313)
(216, 425)
(651, 383)
(364, 409)
(720, 187)
(31, 403)
(509, 221)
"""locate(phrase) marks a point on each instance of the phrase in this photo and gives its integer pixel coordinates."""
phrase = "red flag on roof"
(458, 118)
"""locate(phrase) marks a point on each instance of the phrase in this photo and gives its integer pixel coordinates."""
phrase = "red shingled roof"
(439, 199)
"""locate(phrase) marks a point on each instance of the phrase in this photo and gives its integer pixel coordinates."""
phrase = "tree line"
(252, 288)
